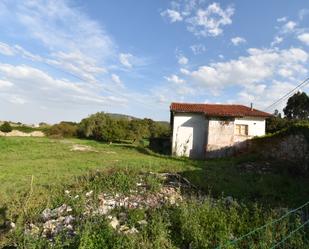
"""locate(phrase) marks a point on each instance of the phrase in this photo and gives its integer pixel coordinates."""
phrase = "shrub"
(6, 127)
(64, 129)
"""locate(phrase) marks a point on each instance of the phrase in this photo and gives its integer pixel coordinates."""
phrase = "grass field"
(52, 164)
(34, 172)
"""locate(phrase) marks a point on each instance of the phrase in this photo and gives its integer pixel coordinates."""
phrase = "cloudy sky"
(63, 60)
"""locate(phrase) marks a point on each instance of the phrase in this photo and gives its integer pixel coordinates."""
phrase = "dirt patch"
(86, 148)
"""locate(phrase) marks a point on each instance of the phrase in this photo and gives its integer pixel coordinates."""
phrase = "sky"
(66, 59)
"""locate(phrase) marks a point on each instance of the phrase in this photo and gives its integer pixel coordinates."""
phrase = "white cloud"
(238, 40)
(184, 71)
(5, 49)
(125, 59)
(266, 96)
(277, 40)
(198, 48)
(182, 60)
(258, 66)
(116, 79)
(5, 84)
(15, 99)
(73, 42)
(209, 21)
(174, 79)
(202, 20)
(282, 19)
(61, 26)
(289, 26)
(39, 87)
(173, 15)
(304, 38)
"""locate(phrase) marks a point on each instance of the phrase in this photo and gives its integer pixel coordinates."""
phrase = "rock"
(32, 229)
(67, 192)
(114, 223)
(61, 210)
(123, 228)
(12, 225)
(69, 220)
(142, 222)
(88, 194)
(132, 230)
(46, 214)
(51, 228)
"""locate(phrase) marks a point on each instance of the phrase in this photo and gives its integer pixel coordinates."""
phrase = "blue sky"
(63, 60)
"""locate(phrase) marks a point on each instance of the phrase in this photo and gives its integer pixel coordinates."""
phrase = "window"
(241, 130)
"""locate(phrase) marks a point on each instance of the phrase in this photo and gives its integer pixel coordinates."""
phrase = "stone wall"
(293, 147)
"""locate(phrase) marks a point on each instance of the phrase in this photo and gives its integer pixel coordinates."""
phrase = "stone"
(46, 214)
(69, 219)
(114, 223)
(12, 225)
(123, 228)
(69, 209)
(133, 230)
(32, 229)
(142, 222)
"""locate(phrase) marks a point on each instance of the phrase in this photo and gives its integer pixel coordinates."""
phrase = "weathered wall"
(222, 140)
(189, 135)
(197, 137)
(220, 137)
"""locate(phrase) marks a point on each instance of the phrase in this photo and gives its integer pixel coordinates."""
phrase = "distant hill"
(128, 117)
(121, 116)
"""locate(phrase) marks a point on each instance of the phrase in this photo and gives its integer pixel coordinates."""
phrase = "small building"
(212, 130)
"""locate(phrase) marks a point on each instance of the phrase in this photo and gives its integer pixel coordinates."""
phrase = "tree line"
(296, 111)
(102, 127)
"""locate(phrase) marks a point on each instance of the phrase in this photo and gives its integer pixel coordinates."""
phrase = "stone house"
(212, 130)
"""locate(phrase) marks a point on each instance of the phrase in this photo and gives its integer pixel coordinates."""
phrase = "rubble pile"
(113, 206)
(53, 222)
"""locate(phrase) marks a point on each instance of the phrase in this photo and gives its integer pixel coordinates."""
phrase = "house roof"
(219, 110)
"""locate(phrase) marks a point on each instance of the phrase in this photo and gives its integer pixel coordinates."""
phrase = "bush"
(64, 129)
(6, 127)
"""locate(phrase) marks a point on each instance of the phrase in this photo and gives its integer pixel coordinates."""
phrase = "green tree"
(101, 127)
(6, 127)
(297, 106)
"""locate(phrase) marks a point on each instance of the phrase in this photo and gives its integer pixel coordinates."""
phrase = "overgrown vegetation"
(63, 130)
(102, 127)
(194, 223)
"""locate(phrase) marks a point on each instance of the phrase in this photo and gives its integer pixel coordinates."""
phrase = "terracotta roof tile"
(219, 110)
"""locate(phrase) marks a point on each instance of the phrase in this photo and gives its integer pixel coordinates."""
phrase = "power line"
(305, 82)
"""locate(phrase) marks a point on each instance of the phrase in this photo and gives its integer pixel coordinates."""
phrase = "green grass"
(52, 165)
(34, 172)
